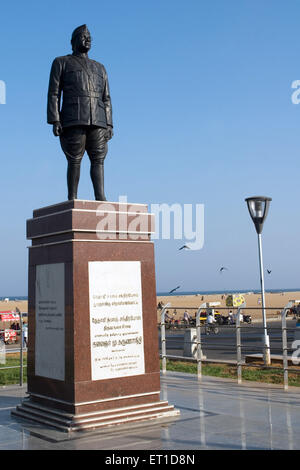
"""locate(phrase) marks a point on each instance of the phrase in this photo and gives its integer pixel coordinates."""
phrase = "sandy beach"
(12, 304)
(276, 301)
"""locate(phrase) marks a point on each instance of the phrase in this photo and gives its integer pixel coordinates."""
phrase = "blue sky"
(201, 95)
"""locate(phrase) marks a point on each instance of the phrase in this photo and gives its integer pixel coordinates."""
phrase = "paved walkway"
(215, 414)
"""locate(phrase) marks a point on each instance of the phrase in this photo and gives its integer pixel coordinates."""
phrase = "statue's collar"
(82, 55)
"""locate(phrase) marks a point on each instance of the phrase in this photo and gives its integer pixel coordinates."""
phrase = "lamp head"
(258, 207)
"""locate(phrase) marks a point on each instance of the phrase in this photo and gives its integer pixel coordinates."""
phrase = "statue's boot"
(97, 176)
(73, 175)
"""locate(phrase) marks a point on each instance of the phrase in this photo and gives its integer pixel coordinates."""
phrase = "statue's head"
(81, 39)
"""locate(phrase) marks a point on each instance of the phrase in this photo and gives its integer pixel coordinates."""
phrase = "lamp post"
(258, 207)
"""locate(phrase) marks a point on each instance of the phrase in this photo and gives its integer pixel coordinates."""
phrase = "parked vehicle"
(217, 316)
(8, 336)
(9, 327)
(244, 319)
(225, 320)
(247, 319)
(222, 320)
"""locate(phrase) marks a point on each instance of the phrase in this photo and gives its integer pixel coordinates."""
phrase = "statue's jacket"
(84, 88)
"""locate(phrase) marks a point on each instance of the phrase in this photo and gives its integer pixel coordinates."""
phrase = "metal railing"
(237, 349)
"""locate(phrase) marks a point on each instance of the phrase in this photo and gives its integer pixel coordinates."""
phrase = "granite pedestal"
(93, 356)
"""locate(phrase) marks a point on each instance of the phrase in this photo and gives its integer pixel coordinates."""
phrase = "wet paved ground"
(215, 414)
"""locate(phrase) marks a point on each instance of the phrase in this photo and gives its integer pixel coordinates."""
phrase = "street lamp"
(258, 207)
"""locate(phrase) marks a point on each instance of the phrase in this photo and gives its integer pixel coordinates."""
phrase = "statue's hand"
(57, 129)
(109, 133)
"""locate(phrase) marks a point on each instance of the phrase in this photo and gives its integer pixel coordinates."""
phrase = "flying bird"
(269, 271)
(222, 269)
(173, 290)
(184, 247)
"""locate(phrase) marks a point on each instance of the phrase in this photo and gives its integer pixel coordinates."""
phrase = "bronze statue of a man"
(84, 121)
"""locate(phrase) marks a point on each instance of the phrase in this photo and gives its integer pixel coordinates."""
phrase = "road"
(223, 345)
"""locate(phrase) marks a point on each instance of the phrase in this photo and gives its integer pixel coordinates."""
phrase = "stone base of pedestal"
(53, 417)
(93, 356)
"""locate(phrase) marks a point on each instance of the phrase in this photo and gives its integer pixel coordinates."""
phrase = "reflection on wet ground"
(214, 414)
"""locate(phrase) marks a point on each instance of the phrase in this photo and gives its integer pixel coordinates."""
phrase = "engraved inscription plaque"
(50, 321)
(116, 319)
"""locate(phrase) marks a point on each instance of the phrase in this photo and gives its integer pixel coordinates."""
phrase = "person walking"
(186, 317)
(25, 335)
